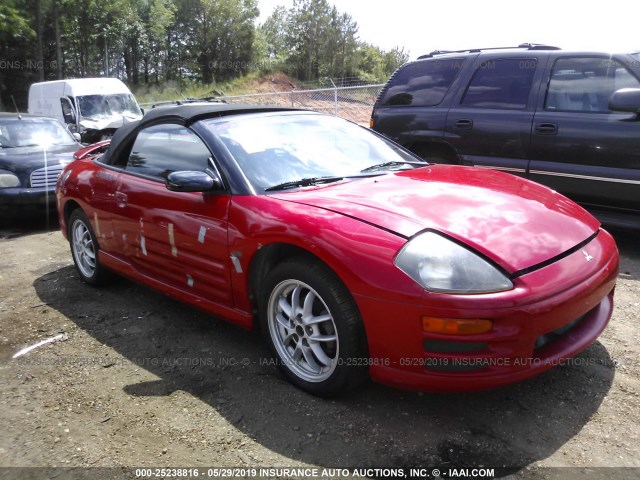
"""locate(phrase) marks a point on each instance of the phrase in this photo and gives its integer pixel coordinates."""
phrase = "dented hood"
(104, 122)
(515, 222)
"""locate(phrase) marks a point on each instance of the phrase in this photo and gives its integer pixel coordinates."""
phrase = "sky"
(421, 26)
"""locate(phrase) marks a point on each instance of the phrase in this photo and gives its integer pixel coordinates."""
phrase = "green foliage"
(171, 91)
(174, 45)
(17, 53)
(273, 30)
(13, 24)
(313, 40)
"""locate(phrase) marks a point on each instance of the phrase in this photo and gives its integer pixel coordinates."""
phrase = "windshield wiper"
(303, 182)
(385, 165)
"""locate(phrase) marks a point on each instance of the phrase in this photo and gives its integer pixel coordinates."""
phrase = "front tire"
(84, 249)
(313, 327)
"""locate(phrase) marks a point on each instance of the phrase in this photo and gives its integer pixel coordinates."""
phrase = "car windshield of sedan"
(305, 149)
(33, 132)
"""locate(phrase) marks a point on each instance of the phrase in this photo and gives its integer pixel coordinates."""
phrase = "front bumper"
(20, 202)
(552, 314)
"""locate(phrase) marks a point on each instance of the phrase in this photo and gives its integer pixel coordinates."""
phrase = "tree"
(149, 42)
(307, 29)
(314, 40)
(340, 45)
(16, 36)
(219, 36)
(274, 30)
(394, 58)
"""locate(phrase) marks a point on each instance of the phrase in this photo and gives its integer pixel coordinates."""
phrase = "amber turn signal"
(456, 326)
(371, 122)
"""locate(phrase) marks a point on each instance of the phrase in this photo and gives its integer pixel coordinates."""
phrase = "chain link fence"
(352, 103)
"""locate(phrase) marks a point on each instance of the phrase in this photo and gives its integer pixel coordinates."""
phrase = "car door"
(490, 123)
(581, 148)
(176, 238)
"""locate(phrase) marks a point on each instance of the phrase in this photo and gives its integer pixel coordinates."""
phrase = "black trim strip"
(552, 260)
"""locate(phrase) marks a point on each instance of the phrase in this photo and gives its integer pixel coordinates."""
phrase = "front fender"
(359, 253)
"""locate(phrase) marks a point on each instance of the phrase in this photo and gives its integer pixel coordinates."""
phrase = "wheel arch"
(436, 152)
(271, 255)
(70, 206)
(267, 257)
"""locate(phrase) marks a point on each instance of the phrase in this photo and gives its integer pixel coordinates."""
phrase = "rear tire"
(85, 250)
(313, 328)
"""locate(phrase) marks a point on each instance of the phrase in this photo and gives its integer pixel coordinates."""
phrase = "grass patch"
(172, 91)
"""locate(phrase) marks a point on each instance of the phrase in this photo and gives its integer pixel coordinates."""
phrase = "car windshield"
(33, 132)
(303, 149)
(98, 106)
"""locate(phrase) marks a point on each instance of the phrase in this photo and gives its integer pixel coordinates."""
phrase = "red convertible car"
(354, 257)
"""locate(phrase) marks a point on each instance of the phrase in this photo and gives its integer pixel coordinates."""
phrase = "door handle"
(464, 124)
(546, 129)
(121, 199)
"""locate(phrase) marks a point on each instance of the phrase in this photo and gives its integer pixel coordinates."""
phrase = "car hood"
(23, 160)
(515, 222)
(108, 121)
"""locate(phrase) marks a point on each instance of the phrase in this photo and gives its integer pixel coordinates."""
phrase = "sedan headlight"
(8, 180)
(442, 265)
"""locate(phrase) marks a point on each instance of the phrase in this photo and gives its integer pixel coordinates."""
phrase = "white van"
(92, 107)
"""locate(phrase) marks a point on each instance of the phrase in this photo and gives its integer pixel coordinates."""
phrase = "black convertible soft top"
(191, 113)
(183, 115)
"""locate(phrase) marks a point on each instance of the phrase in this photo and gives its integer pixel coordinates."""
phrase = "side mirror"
(625, 100)
(193, 181)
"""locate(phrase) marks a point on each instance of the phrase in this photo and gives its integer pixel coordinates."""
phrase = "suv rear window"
(584, 84)
(422, 83)
(504, 83)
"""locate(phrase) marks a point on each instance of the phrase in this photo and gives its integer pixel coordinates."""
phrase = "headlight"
(8, 180)
(441, 265)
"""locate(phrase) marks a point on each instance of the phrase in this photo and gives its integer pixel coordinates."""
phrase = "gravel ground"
(139, 380)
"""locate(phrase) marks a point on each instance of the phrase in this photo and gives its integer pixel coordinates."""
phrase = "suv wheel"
(436, 154)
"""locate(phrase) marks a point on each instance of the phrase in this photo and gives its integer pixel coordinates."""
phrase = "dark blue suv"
(569, 120)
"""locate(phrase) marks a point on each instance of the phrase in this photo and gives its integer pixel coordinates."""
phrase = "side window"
(4, 136)
(503, 84)
(622, 78)
(422, 83)
(585, 84)
(162, 149)
(67, 111)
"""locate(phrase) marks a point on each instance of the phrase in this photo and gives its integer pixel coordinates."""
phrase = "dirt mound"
(270, 83)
